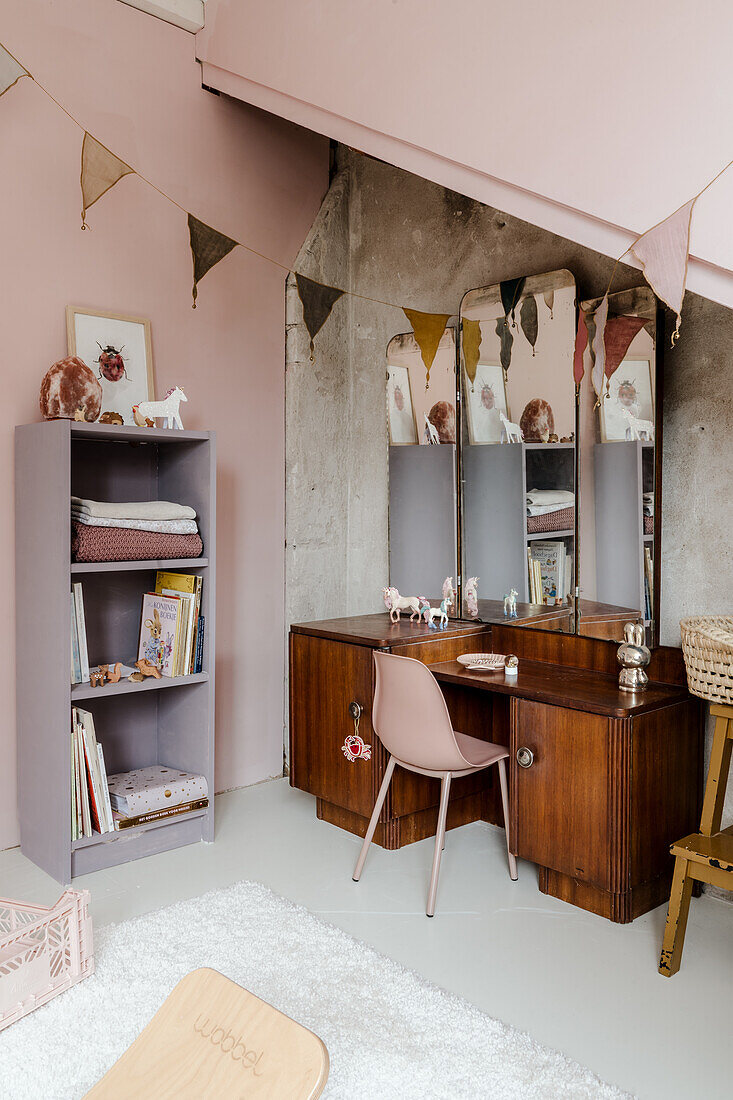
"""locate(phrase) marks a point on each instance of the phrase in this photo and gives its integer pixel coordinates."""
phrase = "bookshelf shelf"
(80, 692)
(137, 566)
(551, 534)
(152, 724)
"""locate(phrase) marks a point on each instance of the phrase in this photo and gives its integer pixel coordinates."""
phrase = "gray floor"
(572, 980)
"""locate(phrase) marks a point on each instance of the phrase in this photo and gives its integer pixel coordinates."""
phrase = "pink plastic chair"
(411, 720)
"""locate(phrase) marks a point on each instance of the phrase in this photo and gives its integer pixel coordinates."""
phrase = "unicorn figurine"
(512, 431)
(441, 613)
(510, 604)
(472, 597)
(448, 593)
(396, 604)
(168, 408)
(637, 429)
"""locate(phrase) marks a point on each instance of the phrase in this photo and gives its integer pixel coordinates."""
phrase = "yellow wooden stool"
(212, 1039)
(706, 856)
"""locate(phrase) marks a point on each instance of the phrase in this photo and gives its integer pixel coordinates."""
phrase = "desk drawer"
(560, 800)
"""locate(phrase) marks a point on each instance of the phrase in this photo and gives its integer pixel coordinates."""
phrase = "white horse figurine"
(638, 429)
(395, 604)
(513, 431)
(168, 408)
(510, 604)
(472, 596)
(441, 613)
(448, 593)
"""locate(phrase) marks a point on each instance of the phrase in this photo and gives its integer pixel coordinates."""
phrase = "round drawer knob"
(525, 758)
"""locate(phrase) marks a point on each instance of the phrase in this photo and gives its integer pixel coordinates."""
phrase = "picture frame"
(401, 421)
(118, 349)
(633, 380)
(485, 399)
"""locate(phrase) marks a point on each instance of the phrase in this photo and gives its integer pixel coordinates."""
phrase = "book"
(649, 580)
(188, 586)
(550, 557)
(107, 803)
(160, 631)
(199, 659)
(86, 813)
(183, 651)
(96, 779)
(122, 822)
(81, 631)
(74, 823)
(146, 789)
(75, 657)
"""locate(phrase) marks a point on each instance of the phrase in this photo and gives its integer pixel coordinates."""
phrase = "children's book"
(160, 631)
(81, 627)
(188, 586)
(550, 556)
(154, 788)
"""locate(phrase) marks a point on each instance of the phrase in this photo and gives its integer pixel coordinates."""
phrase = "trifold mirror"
(542, 500)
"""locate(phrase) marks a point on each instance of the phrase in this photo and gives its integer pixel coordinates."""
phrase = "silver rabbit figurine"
(633, 656)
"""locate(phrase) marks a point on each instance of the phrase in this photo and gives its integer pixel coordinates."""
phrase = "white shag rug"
(390, 1034)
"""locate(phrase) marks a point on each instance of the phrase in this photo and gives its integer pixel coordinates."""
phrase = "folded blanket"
(543, 509)
(165, 526)
(561, 520)
(122, 544)
(134, 509)
(550, 496)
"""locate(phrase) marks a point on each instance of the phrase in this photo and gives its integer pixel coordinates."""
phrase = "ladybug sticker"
(111, 363)
(354, 748)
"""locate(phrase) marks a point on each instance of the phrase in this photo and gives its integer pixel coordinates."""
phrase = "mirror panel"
(619, 522)
(517, 343)
(423, 532)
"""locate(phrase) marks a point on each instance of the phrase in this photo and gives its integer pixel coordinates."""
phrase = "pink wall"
(134, 82)
(536, 109)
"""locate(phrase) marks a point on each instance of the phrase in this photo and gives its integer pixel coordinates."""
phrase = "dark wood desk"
(615, 777)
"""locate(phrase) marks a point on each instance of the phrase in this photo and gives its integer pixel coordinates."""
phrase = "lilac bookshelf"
(168, 721)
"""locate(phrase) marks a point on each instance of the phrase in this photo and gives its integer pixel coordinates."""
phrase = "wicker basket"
(707, 644)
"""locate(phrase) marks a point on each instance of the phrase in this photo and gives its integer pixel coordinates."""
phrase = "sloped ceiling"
(594, 121)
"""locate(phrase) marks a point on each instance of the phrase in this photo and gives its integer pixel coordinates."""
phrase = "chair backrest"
(410, 717)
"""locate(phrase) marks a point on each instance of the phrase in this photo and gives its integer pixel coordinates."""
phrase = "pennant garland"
(598, 347)
(100, 170)
(505, 336)
(663, 253)
(581, 343)
(549, 297)
(318, 301)
(511, 292)
(428, 329)
(528, 320)
(208, 246)
(471, 339)
(619, 333)
(10, 71)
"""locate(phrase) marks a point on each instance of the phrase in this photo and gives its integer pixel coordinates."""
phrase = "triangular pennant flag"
(511, 292)
(663, 253)
(471, 337)
(428, 329)
(598, 346)
(549, 297)
(505, 336)
(528, 319)
(10, 71)
(581, 342)
(208, 246)
(100, 170)
(318, 301)
(620, 331)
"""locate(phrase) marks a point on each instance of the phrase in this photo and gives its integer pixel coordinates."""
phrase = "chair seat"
(715, 851)
(480, 753)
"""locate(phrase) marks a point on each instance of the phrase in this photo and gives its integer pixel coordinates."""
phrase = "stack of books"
(172, 626)
(550, 572)
(154, 794)
(91, 809)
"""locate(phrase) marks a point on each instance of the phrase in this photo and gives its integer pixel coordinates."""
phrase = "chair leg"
(674, 931)
(439, 843)
(374, 818)
(505, 805)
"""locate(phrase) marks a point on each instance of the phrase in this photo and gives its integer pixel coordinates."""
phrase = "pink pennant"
(598, 346)
(581, 341)
(620, 331)
(663, 252)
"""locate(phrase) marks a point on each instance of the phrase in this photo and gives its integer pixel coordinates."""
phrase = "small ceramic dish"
(489, 662)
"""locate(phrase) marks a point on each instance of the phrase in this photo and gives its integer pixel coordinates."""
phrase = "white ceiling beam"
(187, 14)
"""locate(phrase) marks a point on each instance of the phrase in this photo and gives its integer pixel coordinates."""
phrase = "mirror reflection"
(618, 517)
(518, 467)
(421, 421)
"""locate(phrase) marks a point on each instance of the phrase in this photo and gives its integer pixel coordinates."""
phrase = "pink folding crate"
(42, 951)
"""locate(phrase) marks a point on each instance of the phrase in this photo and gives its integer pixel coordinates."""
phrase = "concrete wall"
(400, 238)
(134, 83)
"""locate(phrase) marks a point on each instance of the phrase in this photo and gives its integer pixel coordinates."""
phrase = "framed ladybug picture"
(118, 349)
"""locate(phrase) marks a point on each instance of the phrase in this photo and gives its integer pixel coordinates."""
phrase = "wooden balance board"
(211, 1038)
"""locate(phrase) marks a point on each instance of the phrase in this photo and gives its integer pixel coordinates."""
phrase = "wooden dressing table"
(601, 781)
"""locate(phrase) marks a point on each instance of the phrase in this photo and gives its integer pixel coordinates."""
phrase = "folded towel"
(162, 526)
(550, 496)
(119, 544)
(134, 509)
